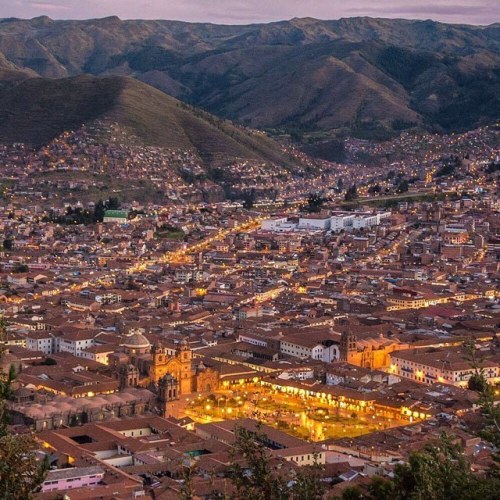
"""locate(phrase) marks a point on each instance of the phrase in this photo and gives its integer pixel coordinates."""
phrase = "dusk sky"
(246, 11)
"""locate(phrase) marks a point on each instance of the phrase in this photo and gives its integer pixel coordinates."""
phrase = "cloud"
(429, 10)
(49, 7)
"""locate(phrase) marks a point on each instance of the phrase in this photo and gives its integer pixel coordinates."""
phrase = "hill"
(361, 75)
(35, 110)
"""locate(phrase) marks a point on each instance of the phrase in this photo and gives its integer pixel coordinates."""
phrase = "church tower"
(168, 391)
(347, 346)
(184, 355)
(128, 376)
(158, 361)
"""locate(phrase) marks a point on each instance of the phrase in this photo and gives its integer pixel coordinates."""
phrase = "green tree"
(99, 211)
(20, 268)
(314, 202)
(8, 244)
(308, 485)
(351, 193)
(249, 199)
(478, 383)
(257, 479)
(112, 204)
(437, 472)
(402, 186)
(187, 492)
(381, 489)
(352, 493)
(21, 473)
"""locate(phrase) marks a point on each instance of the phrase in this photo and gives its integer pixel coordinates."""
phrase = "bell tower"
(158, 360)
(184, 355)
(168, 390)
(348, 346)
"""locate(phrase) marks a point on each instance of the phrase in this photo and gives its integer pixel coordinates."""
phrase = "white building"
(341, 221)
(75, 342)
(41, 341)
(273, 224)
(445, 366)
(315, 222)
(356, 220)
(306, 347)
(99, 353)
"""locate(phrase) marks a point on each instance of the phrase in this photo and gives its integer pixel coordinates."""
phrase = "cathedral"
(180, 366)
(168, 372)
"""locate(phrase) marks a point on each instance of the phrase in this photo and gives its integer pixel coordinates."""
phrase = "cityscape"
(258, 312)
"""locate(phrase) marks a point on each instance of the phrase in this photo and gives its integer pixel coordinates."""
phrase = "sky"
(251, 11)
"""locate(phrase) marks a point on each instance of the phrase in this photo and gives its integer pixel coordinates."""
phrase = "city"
(344, 331)
(248, 304)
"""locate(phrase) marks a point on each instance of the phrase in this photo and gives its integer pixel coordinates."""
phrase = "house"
(73, 477)
(75, 342)
(39, 340)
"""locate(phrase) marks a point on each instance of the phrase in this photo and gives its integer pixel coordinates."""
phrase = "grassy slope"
(36, 110)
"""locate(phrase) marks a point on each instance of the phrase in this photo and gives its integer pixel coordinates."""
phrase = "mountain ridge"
(36, 110)
(302, 75)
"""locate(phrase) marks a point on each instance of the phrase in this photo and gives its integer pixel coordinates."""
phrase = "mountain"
(362, 75)
(35, 110)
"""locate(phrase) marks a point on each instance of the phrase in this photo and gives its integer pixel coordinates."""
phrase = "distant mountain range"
(357, 75)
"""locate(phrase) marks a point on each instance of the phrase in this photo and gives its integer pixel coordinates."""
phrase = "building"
(450, 366)
(99, 353)
(367, 352)
(119, 216)
(341, 221)
(314, 222)
(41, 341)
(179, 366)
(72, 477)
(76, 342)
(306, 346)
(136, 344)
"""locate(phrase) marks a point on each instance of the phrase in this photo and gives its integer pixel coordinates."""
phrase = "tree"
(187, 492)
(352, 493)
(20, 268)
(403, 186)
(381, 489)
(478, 383)
(351, 193)
(8, 244)
(113, 204)
(437, 472)
(99, 211)
(101, 207)
(314, 202)
(375, 189)
(257, 480)
(21, 473)
(249, 199)
(491, 415)
(307, 485)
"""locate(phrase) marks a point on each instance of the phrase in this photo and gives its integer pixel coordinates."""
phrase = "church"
(190, 378)
(170, 372)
